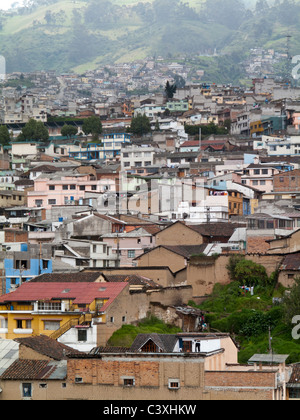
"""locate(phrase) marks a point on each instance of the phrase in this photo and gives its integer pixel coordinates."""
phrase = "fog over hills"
(65, 34)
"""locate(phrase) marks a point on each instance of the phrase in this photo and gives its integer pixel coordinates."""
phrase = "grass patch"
(126, 335)
(248, 318)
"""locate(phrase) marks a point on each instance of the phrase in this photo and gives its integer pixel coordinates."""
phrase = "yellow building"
(53, 308)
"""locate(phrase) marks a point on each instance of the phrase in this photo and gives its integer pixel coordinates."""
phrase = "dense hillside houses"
(141, 209)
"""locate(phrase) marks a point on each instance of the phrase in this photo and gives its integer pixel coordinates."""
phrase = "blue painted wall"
(36, 268)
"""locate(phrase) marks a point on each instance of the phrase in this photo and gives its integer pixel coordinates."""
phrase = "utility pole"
(200, 139)
(270, 341)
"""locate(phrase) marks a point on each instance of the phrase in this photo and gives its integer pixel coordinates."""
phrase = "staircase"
(85, 318)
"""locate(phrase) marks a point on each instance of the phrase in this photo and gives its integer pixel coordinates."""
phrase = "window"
(19, 324)
(26, 390)
(78, 380)
(28, 324)
(49, 306)
(39, 203)
(187, 347)
(174, 384)
(82, 187)
(51, 187)
(43, 386)
(149, 347)
(65, 187)
(51, 325)
(3, 322)
(131, 253)
(22, 264)
(82, 335)
(52, 201)
(123, 318)
(72, 187)
(129, 382)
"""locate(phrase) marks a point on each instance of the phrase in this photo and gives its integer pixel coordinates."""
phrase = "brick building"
(287, 181)
(46, 371)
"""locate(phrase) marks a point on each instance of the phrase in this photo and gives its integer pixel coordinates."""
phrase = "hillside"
(78, 35)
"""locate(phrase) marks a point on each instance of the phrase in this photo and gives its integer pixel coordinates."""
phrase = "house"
(90, 226)
(34, 368)
(260, 176)
(287, 182)
(85, 253)
(293, 388)
(25, 261)
(263, 228)
(61, 188)
(129, 245)
(175, 257)
(289, 270)
(285, 244)
(53, 308)
(189, 343)
(178, 371)
(180, 233)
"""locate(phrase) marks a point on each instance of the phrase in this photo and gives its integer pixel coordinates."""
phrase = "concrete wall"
(178, 234)
(129, 308)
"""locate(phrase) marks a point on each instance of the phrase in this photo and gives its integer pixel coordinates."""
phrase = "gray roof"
(268, 358)
(166, 342)
(9, 352)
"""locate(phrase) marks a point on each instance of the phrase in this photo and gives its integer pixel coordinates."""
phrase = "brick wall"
(258, 244)
(14, 235)
(241, 385)
(289, 181)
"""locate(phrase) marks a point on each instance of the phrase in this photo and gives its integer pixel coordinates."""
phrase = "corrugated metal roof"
(9, 352)
(80, 293)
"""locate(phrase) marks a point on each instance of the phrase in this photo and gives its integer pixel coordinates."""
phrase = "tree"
(291, 303)
(249, 273)
(34, 130)
(140, 125)
(170, 90)
(92, 125)
(4, 135)
(68, 130)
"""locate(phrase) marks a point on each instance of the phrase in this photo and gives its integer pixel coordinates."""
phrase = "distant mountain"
(66, 35)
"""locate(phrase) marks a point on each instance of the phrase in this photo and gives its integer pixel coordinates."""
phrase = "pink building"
(130, 244)
(260, 177)
(62, 188)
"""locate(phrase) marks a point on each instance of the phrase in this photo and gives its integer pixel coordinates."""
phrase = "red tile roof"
(80, 293)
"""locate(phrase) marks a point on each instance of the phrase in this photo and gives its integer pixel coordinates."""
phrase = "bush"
(126, 335)
(249, 273)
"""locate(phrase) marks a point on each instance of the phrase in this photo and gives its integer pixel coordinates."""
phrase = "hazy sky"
(6, 4)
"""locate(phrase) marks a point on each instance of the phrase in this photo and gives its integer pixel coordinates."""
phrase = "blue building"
(25, 261)
(109, 148)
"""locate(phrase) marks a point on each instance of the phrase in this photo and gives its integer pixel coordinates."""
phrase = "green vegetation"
(69, 130)
(64, 35)
(206, 130)
(4, 135)
(140, 125)
(92, 125)
(125, 336)
(34, 131)
(248, 318)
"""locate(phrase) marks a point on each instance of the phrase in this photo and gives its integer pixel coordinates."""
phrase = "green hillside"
(78, 35)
